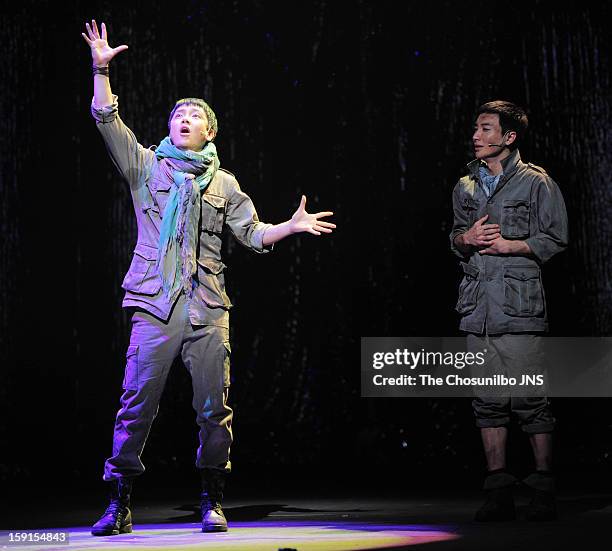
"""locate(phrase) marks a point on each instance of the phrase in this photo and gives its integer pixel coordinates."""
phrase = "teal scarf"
(191, 172)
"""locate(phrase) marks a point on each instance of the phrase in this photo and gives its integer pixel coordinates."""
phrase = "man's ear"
(510, 137)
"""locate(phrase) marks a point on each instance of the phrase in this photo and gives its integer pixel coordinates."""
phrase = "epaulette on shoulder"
(537, 168)
(468, 184)
(227, 172)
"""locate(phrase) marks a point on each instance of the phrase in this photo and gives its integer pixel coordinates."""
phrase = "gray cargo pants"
(154, 345)
(511, 354)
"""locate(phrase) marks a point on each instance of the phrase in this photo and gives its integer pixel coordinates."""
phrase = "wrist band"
(100, 70)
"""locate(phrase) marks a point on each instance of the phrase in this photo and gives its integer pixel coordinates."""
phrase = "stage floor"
(326, 524)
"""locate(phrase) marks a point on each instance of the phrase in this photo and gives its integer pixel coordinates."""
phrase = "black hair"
(512, 118)
(210, 114)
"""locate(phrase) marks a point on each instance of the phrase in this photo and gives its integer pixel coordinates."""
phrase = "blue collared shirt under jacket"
(489, 181)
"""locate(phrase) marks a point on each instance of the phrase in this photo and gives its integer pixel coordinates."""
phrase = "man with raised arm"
(175, 286)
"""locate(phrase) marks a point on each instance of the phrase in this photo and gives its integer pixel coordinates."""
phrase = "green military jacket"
(224, 206)
(504, 293)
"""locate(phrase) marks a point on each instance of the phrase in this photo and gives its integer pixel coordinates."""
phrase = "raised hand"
(101, 52)
(301, 221)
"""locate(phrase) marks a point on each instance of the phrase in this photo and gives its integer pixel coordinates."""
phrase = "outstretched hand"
(101, 52)
(301, 221)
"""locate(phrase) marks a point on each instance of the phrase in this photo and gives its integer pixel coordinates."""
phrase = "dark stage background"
(365, 107)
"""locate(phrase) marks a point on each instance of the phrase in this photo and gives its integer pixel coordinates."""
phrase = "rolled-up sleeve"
(244, 223)
(133, 161)
(552, 227)
(460, 222)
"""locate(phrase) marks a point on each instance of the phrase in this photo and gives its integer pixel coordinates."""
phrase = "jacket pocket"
(213, 213)
(226, 364)
(160, 190)
(523, 295)
(130, 378)
(470, 208)
(142, 277)
(468, 289)
(211, 284)
(515, 219)
(152, 211)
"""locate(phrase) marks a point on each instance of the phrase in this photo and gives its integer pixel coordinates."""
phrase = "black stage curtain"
(364, 107)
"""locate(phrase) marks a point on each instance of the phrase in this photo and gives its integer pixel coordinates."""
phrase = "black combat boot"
(117, 519)
(213, 482)
(543, 504)
(499, 504)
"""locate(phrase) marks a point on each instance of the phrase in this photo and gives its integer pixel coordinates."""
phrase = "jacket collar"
(509, 165)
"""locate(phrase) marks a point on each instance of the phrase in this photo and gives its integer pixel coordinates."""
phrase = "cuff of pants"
(538, 428)
(226, 470)
(484, 423)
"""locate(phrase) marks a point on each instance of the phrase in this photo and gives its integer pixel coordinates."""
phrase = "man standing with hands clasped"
(509, 218)
(175, 286)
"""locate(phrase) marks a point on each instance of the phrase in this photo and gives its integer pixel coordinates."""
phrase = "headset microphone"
(502, 144)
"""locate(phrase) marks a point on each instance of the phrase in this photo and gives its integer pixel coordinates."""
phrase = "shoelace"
(209, 505)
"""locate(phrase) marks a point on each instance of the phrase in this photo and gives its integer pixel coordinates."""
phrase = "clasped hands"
(487, 238)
